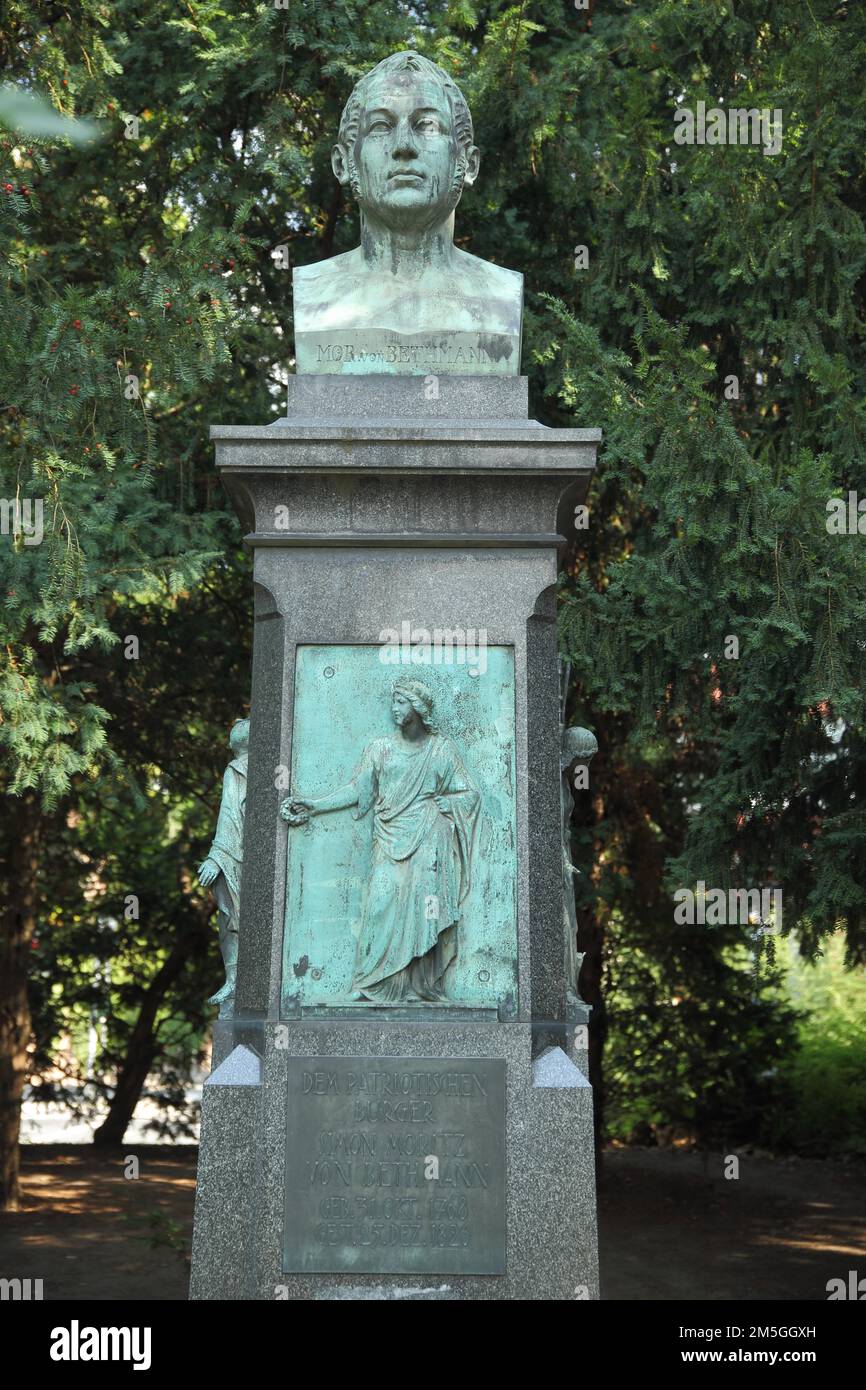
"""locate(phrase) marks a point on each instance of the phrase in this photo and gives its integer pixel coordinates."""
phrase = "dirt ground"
(90, 1233)
(671, 1225)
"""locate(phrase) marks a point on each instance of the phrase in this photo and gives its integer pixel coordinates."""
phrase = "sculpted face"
(239, 738)
(407, 160)
(402, 710)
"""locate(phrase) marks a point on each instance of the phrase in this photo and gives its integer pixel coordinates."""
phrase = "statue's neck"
(414, 733)
(409, 253)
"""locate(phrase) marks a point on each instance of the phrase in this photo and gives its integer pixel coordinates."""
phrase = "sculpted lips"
(406, 174)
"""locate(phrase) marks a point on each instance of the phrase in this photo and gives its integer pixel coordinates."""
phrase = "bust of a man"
(407, 299)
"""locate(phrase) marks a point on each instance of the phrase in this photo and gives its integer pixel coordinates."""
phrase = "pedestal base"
(348, 1193)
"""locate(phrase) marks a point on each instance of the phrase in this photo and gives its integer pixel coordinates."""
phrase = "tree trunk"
(141, 1051)
(19, 916)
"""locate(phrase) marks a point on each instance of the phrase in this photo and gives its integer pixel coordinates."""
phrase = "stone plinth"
(380, 502)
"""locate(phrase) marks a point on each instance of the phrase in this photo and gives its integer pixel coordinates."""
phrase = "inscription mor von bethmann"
(406, 354)
(396, 1167)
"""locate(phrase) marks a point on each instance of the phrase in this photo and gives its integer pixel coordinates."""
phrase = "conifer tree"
(144, 294)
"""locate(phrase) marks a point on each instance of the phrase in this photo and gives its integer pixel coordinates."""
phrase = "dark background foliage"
(154, 256)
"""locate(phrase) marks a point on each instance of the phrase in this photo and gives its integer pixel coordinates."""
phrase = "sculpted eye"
(376, 126)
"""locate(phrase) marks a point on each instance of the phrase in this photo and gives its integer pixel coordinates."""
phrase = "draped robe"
(420, 873)
(228, 843)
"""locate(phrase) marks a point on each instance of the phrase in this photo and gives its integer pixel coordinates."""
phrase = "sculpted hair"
(415, 62)
(419, 697)
(240, 736)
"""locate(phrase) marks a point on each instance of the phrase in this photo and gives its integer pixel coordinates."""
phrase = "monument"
(395, 1109)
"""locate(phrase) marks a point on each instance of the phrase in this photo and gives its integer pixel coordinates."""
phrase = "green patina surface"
(427, 846)
(407, 300)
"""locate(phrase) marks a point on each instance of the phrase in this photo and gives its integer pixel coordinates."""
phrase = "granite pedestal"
(379, 502)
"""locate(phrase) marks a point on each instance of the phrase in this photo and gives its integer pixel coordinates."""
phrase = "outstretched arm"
(358, 791)
(297, 811)
(338, 800)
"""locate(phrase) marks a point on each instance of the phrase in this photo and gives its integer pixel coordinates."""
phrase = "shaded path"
(671, 1226)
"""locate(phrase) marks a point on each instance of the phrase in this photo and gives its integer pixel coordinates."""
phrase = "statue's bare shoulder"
(319, 278)
(344, 292)
(324, 285)
(333, 267)
(490, 277)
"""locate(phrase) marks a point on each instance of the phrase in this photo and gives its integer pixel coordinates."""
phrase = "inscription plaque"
(384, 351)
(395, 1165)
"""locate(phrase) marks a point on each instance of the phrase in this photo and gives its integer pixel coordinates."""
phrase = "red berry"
(7, 188)
(73, 390)
(76, 323)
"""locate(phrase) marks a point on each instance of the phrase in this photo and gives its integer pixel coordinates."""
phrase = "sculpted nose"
(405, 144)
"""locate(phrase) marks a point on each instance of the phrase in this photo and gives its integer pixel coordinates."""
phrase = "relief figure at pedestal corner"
(578, 747)
(223, 865)
(425, 814)
(407, 300)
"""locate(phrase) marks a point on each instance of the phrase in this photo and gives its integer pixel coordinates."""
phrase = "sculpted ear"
(340, 164)
(473, 161)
